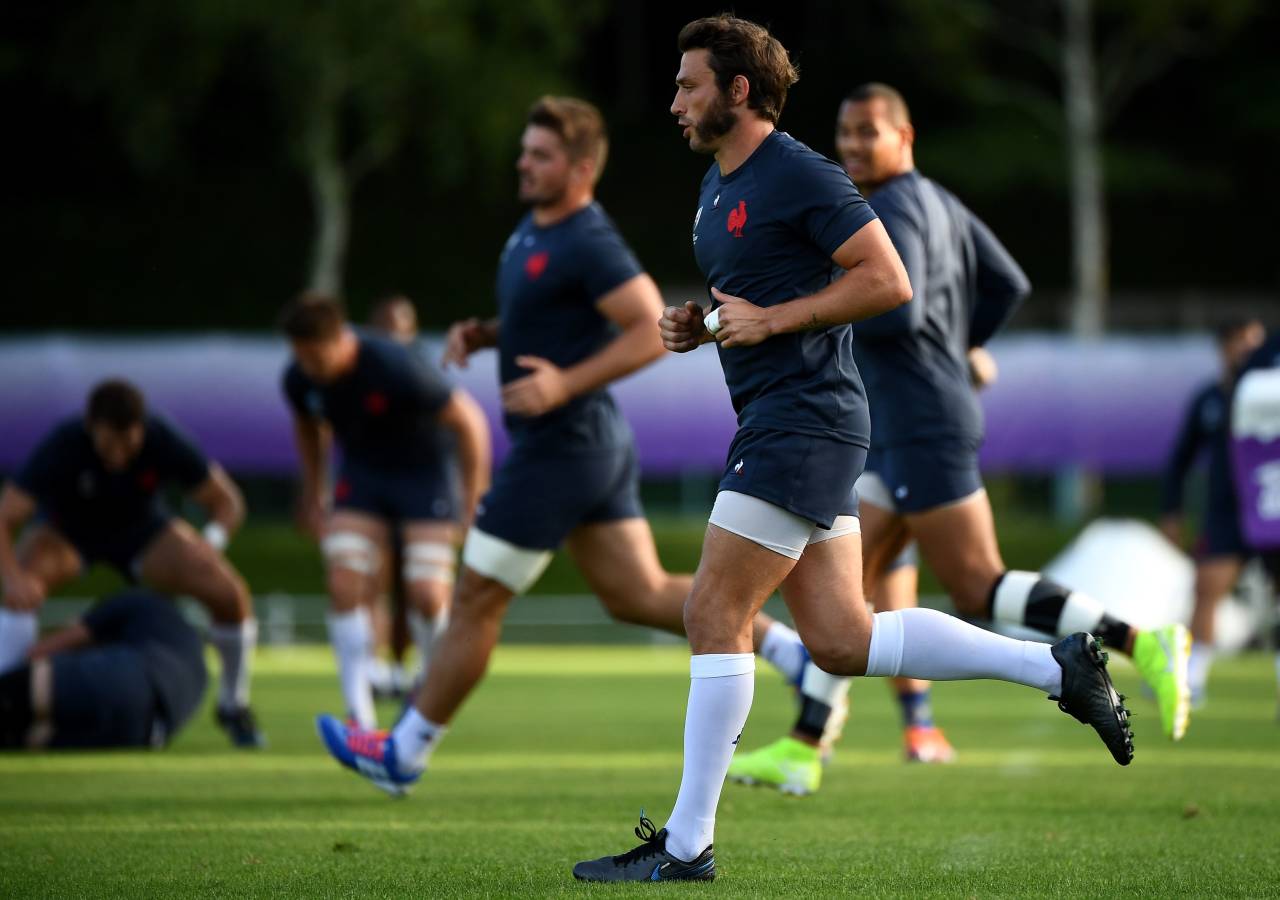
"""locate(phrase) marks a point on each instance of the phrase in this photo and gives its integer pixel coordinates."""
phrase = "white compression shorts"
(773, 527)
(516, 567)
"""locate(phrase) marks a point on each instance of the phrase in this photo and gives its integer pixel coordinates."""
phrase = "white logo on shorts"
(900, 492)
(737, 470)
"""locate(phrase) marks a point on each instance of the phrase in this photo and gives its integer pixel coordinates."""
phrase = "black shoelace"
(652, 846)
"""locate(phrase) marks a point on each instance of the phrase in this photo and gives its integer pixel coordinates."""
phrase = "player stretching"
(576, 312)
(95, 482)
(390, 414)
(772, 217)
(922, 479)
(1221, 551)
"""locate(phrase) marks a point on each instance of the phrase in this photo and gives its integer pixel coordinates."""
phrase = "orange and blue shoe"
(370, 754)
(927, 744)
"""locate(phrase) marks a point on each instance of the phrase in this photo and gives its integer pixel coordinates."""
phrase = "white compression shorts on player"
(429, 561)
(349, 550)
(773, 527)
(516, 567)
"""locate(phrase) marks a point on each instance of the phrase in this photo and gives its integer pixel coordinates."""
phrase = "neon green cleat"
(1161, 656)
(791, 766)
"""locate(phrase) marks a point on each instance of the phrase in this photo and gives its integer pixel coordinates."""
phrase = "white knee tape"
(516, 567)
(425, 561)
(351, 551)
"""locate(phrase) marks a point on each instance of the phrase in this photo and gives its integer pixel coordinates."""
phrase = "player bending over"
(392, 416)
(129, 673)
(772, 217)
(576, 312)
(94, 486)
(922, 479)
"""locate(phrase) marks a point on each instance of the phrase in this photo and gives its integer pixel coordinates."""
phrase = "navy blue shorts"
(808, 476)
(923, 476)
(429, 494)
(536, 499)
(102, 697)
(120, 547)
(1221, 534)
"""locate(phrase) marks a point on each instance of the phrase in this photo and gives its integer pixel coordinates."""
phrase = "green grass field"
(561, 747)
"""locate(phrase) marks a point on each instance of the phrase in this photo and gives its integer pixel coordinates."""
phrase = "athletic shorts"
(120, 547)
(536, 498)
(915, 478)
(429, 494)
(1221, 534)
(102, 697)
(811, 477)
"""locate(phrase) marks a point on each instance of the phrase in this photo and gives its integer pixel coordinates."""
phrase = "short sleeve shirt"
(385, 411)
(550, 280)
(72, 487)
(766, 232)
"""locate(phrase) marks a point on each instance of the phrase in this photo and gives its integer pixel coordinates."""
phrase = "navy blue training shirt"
(172, 651)
(1206, 424)
(549, 282)
(766, 232)
(384, 412)
(74, 490)
(965, 286)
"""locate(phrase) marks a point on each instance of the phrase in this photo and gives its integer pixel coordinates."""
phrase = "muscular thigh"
(178, 561)
(616, 557)
(884, 535)
(43, 552)
(959, 543)
(735, 577)
(824, 594)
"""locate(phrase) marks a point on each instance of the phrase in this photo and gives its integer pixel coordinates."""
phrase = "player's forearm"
(638, 345)
(471, 428)
(313, 456)
(866, 290)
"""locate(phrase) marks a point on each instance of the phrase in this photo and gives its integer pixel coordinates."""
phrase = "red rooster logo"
(738, 218)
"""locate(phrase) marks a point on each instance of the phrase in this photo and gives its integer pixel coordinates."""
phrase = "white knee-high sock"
(720, 691)
(924, 643)
(352, 639)
(783, 648)
(18, 630)
(235, 643)
(425, 631)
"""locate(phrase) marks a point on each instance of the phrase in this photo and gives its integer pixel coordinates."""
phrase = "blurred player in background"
(922, 478)
(396, 317)
(1255, 452)
(1221, 552)
(129, 673)
(388, 412)
(95, 484)
(576, 312)
(772, 218)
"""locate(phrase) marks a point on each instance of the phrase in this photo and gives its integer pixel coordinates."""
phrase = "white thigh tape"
(351, 551)
(516, 567)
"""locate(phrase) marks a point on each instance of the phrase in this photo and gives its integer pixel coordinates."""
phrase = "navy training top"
(965, 286)
(549, 282)
(766, 232)
(384, 412)
(171, 650)
(76, 492)
(1206, 424)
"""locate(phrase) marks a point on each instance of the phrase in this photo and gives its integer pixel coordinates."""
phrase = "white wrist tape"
(216, 536)
(712, 321)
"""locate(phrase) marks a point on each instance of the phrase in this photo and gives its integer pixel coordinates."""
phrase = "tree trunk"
(1089, 268)
(330, 204)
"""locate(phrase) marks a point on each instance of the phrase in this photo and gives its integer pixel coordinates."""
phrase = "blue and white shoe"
(370, 754)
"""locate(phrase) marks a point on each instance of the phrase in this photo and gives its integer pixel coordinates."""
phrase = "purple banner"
(1113, 405)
